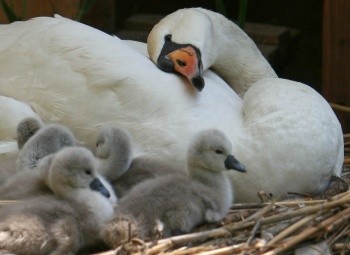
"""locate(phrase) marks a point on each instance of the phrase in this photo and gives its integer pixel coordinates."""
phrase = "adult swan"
(62, 71)
(292, 138)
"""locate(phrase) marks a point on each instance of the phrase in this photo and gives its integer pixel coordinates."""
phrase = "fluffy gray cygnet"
(28, 183)
(7, 168)
(114, 153)
(65, 221)
(26, 129)
(23, 183)
(45, 141)
(178, 203)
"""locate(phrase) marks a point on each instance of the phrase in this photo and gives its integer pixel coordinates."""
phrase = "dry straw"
(305, 219)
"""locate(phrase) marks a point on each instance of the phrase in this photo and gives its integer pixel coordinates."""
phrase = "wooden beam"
(336, 55)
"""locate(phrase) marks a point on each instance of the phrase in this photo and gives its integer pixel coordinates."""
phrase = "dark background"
(304, 65)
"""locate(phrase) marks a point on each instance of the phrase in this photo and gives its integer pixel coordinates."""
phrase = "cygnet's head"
(45, 141)
(26, 129)
(113, 151)
(183, 42)
(211, 150)
(74, 168)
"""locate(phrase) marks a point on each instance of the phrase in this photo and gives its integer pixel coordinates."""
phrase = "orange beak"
(187, 63)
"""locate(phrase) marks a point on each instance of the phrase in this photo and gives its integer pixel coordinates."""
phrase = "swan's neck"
(239, 62)
(113, 162)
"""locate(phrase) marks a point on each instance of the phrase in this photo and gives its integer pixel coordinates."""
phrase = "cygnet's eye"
(167, 38)
(88, 172)
(218, 151)
(99, 143)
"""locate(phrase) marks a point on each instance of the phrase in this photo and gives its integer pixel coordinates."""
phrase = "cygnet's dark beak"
(97, 185)
(232, 163)
(184, 59)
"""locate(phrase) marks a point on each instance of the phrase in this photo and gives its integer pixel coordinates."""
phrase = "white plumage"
(66, 72)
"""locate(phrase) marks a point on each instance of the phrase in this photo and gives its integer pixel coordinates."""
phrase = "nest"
(311, 225)
(320, 224)
(266, 228)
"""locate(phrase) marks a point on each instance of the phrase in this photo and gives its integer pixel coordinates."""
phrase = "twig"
(307, 210)
(340, 107)
(160, 247)
(112, 252)
(192, 250)
(338, 196)
(339, 235)
(304, 195)
(281, 203)
(341, 246)
(258, 214)
(253, 233)
(7, 202)
(291, 229)
(248, 206)
(226, 250)
(176, 241)
(291, 214)
(325, 225)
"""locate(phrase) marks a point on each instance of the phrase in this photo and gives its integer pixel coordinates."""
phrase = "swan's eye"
(88, 172)
(219, 152)
(181, 63)
(167, 38)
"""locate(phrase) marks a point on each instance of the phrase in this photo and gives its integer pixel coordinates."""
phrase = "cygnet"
(64, 222)
(26, 129)
(45, 141)
(49, 139)
(178, 203)
(28, 183)
(7, 168)
(114, 154)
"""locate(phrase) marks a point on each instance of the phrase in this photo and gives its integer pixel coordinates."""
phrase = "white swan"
(287, 125)
(63, 71)
(192, 40)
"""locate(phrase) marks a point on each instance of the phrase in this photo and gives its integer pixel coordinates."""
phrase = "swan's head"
(211, 151)
(113, 151)
(183, 42)
(74, 168)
